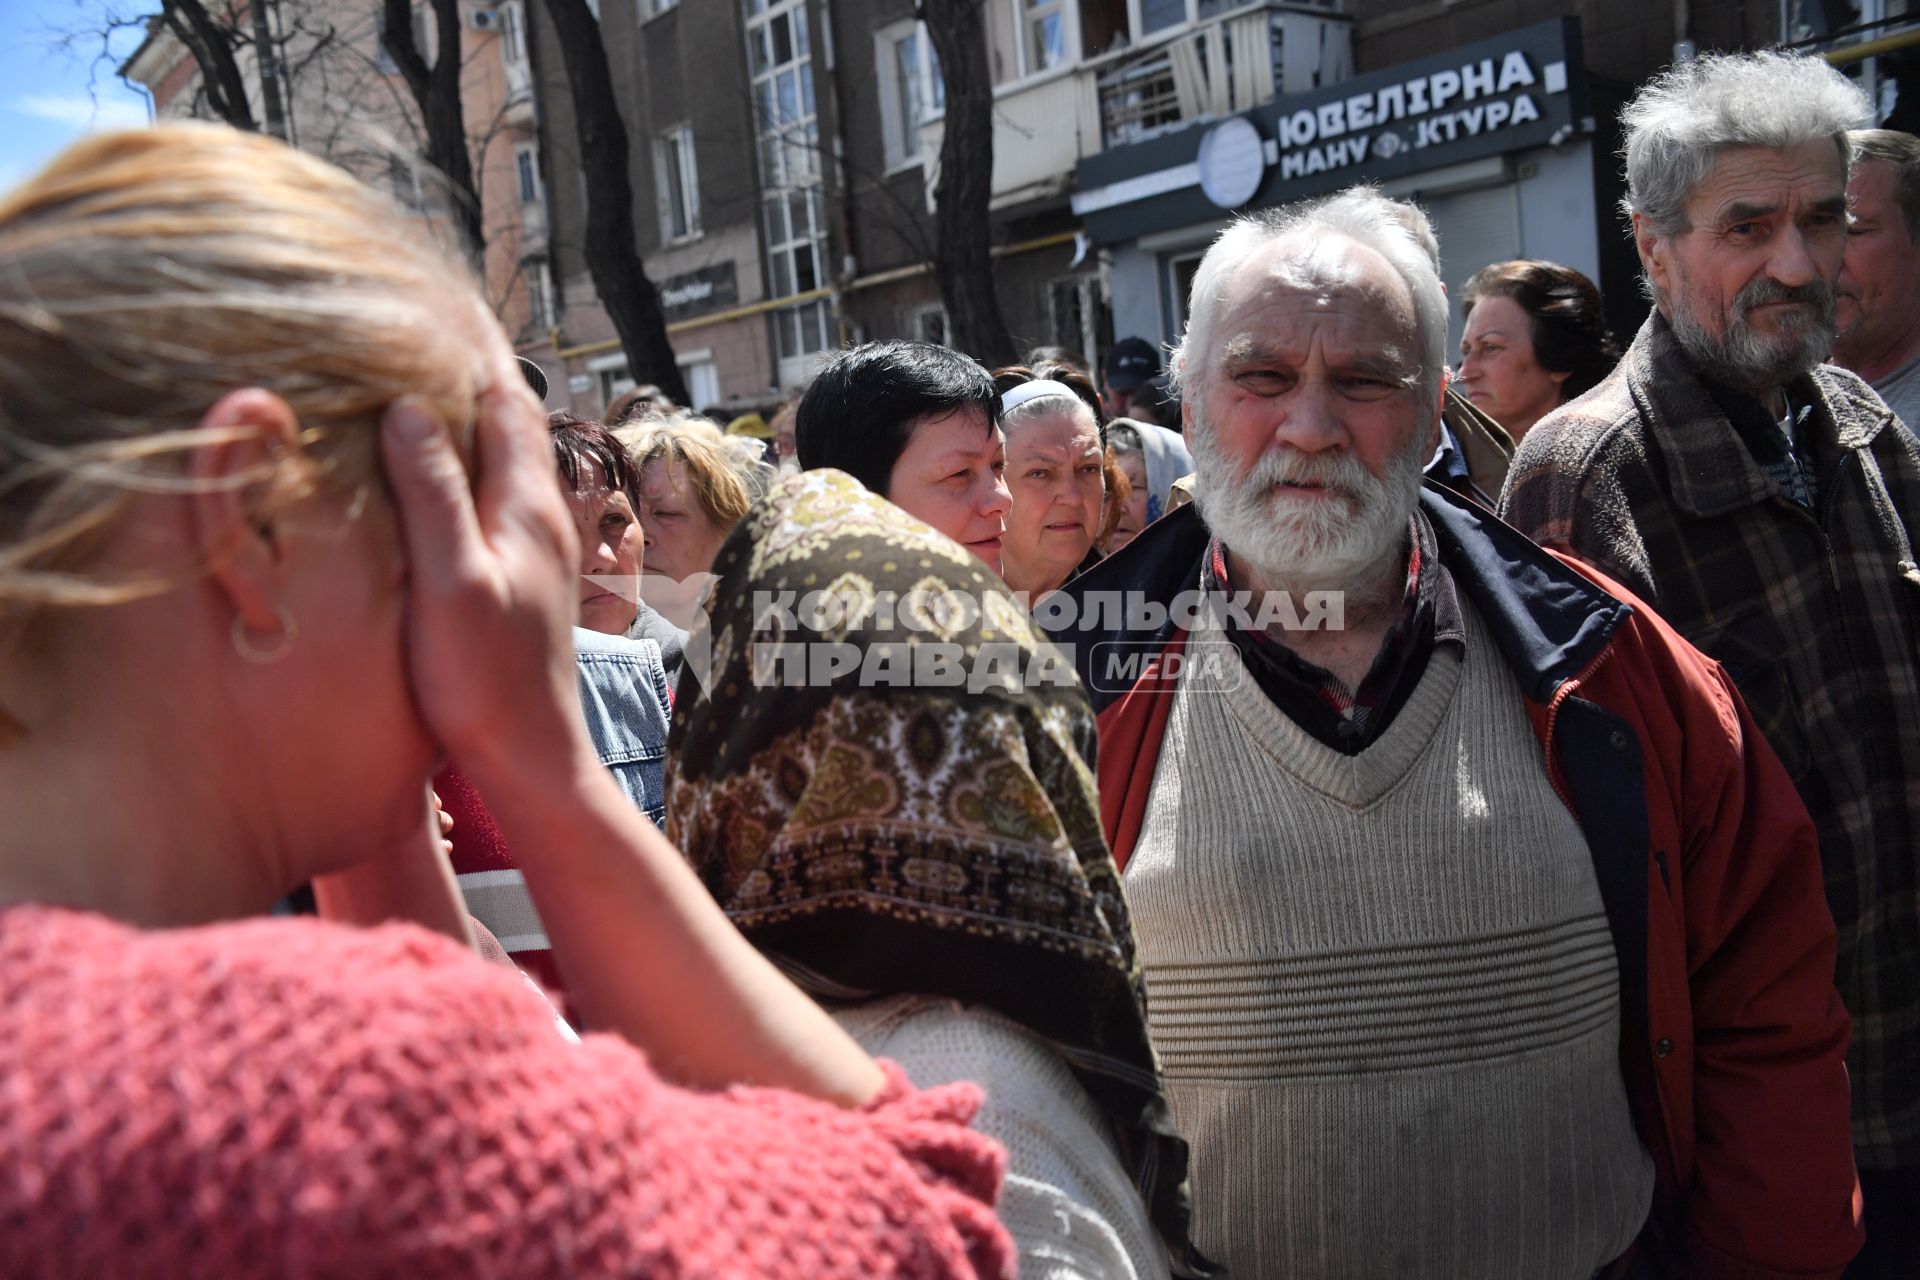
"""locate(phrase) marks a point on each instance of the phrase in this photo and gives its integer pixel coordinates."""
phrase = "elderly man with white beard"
(1765, 503)
(1482, 932)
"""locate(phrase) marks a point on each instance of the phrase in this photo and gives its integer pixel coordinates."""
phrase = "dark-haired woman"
(920, 426)
(1535, 339)
(604, 495)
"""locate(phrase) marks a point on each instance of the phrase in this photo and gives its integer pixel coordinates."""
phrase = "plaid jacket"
(1814, 614)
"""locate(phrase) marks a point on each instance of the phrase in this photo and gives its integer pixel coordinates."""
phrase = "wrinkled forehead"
(1311, 272)
(1749, 182)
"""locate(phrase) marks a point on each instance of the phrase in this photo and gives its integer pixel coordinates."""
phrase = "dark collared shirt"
(1351, 719)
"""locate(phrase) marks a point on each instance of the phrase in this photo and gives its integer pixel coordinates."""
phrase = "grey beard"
(1746, 360)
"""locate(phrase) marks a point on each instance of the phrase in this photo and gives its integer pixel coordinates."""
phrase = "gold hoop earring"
(245, 646)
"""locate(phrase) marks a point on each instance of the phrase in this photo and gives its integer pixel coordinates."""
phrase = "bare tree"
(436, 92)
(214, 41)
(268, 65)
(963, 189)
(619, 277)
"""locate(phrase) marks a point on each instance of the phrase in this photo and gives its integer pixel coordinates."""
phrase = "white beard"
(1345, 542)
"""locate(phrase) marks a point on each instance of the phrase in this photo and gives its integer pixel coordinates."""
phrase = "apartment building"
(708, 175)
(1127, 132)
(343, 99)
(810, 133)
(784, 153)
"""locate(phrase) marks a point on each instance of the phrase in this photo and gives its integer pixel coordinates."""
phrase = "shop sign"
(697, 292)
(1520, 90)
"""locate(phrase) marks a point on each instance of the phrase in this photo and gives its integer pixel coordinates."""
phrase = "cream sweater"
(1384, 992)
(1073, 1212)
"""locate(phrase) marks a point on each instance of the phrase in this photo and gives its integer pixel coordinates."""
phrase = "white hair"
(1681, 120)
(1396, 230)
(1046, 405)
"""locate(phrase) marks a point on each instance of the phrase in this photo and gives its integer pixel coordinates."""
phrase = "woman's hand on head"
(491, 562)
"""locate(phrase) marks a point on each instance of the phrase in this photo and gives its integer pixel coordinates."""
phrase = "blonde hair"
(726, 473)
(144, 276)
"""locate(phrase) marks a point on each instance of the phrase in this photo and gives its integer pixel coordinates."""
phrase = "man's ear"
(1656, 254)
(237, 481)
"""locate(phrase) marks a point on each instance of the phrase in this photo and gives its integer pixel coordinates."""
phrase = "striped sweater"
(1384, 991)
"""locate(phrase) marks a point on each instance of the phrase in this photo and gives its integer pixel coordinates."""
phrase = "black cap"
(1130, 362)
(536, 378)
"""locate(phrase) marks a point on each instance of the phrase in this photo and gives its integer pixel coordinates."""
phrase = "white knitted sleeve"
(1070, 1207)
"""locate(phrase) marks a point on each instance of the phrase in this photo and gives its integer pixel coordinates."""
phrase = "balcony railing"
(1222, 68)
(1212, 68)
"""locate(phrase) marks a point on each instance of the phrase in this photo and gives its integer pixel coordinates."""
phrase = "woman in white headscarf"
(1151, 458)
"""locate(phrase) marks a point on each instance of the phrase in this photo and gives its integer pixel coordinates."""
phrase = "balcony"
(1195, 69)
(1222, 68)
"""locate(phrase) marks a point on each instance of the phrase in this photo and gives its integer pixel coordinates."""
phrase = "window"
(702, 377)
(654, 8)
(1180, 272)
(677, 183)
(1081, 319)
(513, 52)
(1044, 33)
(1027, 37)
(1158, 15)
(513, 37)
(425, 38)
(787, 141)
(928, 323)
(911, 91)
(1163, 15)
(792, 222)
(540, 315)
(526, 168)
(802, 330)
(779, 61)
(611, 377)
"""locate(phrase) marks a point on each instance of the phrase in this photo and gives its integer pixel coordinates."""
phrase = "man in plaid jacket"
(1761, 501)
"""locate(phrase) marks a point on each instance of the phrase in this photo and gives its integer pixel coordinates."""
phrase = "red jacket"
(1733, 1039)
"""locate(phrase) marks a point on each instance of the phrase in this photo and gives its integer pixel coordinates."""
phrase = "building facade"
(784, 156)
(344, 100)
(719, 161)
(1127, 132)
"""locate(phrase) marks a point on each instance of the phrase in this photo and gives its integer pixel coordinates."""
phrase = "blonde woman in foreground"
(278, 529)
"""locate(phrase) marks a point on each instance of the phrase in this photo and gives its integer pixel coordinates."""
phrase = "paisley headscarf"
(885, 779)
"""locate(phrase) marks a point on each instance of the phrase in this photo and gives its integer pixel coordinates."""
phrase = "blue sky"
(49, 96)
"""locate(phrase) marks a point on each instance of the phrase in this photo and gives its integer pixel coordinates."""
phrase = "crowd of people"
(1292, 810)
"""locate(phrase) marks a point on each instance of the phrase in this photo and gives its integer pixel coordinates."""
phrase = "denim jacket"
(623, 694)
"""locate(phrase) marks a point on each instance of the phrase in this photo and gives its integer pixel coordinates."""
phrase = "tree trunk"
(436, 91)
(963, 233)
(212, 46)
(619, 277)
(269, 64)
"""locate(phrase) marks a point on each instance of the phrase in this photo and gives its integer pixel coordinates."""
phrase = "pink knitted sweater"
(293, 1098)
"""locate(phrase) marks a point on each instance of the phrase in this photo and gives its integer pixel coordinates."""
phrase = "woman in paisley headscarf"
(926, 857)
